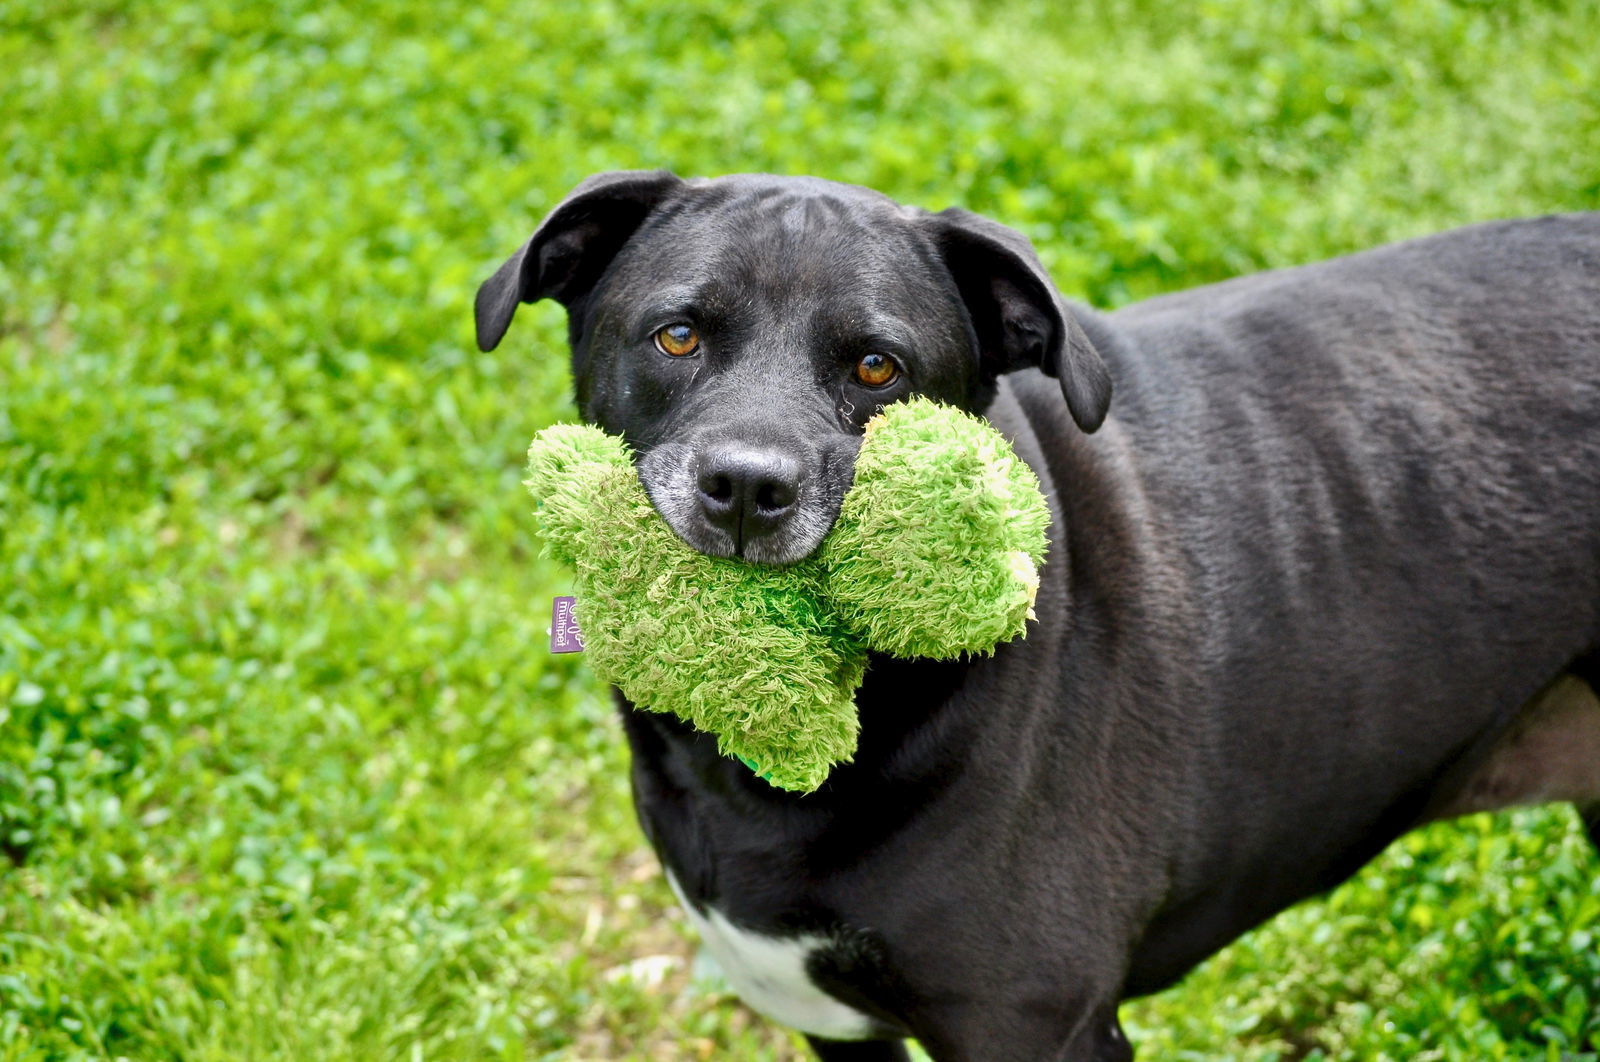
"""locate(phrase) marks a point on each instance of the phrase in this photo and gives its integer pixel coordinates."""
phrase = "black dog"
(1331, 570)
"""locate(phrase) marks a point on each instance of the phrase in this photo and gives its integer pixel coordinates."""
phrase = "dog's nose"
(747, 492)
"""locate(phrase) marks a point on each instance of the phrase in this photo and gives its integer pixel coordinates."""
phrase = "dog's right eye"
(677, 340)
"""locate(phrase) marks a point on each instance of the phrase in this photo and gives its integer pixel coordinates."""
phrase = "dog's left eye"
(677, 340)
(876, 370)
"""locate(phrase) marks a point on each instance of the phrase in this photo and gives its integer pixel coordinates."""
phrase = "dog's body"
(1317, 580)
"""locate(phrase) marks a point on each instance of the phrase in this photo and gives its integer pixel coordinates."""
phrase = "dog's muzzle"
(760, 503)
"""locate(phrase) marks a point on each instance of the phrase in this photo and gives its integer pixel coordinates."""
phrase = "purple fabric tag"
(565, 637)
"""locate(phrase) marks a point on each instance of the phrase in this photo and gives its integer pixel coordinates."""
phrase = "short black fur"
(1342, 523)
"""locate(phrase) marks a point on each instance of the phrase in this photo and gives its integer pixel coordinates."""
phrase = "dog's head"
(740, 331)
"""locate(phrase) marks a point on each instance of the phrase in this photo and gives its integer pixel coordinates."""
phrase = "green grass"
(284, 770)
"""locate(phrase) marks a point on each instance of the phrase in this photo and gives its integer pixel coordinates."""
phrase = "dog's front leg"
(1000, 1034)
(1107, 1041)
(859, 1050)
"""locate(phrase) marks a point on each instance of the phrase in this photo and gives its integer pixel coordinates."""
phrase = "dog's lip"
(779, 549)
(757, 550)
(781, 561)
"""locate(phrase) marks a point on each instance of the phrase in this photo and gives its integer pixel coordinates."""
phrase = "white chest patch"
(769, 974)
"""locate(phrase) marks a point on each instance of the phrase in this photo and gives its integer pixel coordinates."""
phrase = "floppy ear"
(567, 253)
(1020, 318)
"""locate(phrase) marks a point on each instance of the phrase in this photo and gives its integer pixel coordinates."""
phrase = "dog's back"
(1379, 479)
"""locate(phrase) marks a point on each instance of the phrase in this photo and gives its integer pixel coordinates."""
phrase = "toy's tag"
(565, 637)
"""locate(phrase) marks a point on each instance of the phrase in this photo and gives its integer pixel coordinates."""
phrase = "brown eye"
(876, 370)
(678, 340)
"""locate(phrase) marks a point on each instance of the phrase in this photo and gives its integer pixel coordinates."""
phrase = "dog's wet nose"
(747, 492)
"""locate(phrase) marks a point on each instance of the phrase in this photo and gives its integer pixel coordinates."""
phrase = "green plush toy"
(935, 553)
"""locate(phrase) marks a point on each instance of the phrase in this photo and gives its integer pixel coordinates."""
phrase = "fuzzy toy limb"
(938, 544)
(935, 553)
(748, 654)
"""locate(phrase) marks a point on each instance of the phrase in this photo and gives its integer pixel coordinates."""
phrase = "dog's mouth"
(756, 505)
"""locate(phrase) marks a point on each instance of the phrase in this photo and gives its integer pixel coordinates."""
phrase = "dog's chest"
(769, 974)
